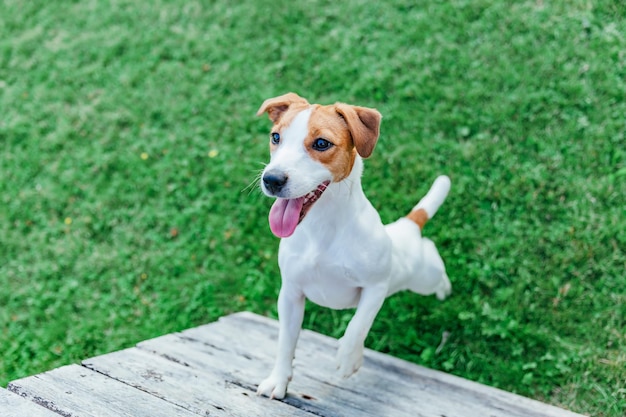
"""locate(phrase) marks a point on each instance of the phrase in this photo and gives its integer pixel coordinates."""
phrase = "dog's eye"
(320, 144)
(275, 138)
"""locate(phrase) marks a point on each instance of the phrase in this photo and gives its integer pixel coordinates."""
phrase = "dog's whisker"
(254, 184)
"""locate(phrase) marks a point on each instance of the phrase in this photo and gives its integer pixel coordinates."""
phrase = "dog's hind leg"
(432, 277)
(429, 274)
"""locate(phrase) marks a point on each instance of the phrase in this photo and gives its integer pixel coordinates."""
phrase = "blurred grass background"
(129, 141)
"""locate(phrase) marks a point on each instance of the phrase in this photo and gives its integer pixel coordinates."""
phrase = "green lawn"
(129, 152)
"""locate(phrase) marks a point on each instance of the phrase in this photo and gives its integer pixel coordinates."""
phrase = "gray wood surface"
(74, 390)
(12, 405)
(213, 370)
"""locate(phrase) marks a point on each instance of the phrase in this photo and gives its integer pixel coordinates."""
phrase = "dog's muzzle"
(274, 181)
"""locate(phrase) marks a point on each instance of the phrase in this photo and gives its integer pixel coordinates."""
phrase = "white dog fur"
(334, 249)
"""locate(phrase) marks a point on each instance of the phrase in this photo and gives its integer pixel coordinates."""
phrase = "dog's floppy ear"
(275, 107)
(364, 125)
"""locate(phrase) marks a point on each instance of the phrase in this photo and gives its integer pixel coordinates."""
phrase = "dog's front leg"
(290, 314)
(351, 345)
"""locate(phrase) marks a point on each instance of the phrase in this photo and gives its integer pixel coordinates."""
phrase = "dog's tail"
(429, 204)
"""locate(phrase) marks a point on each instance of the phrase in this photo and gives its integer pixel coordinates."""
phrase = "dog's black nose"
(274, 181)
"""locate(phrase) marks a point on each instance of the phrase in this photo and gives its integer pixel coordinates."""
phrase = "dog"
(334, 249)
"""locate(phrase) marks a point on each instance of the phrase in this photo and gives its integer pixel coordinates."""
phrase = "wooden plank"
(203, 391)
(13, 405)
(428, 392)
(75, 391)
(312, 395)
(448, 386)
(316, 386)
(214, 370)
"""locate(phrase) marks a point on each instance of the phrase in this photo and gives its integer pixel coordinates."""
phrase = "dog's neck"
(338, 204)
(348, 191)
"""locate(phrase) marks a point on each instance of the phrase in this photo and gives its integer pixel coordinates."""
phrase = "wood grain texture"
(205, 390)
(214, 370)
(75, 391)
(12, 405)
(389, 384)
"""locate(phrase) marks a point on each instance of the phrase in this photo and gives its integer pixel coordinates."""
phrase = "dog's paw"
(349, 359)
(444, 289)
(273, 387)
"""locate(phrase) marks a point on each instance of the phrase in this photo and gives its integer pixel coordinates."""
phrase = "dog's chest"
(330, 275)
(327, 283)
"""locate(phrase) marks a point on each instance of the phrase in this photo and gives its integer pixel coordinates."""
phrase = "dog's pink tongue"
(285, 215)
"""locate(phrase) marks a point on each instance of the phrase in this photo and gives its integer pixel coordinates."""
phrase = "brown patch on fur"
(277, 106)
(419, 217)
(364, 125)
(326, 123)
(285, 120)
(282, 110)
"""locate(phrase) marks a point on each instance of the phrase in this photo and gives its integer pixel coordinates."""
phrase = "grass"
(129, 142)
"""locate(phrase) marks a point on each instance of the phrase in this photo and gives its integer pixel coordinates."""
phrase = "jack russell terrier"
(334, 249)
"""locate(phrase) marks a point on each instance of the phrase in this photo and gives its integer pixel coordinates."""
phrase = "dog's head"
(311, 146)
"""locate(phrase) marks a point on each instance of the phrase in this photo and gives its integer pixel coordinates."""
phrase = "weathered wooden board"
(428, 392)
(12, 405)
(75, 391)
(383, 383)
(242, 369)
(213, 370)
(201, 390)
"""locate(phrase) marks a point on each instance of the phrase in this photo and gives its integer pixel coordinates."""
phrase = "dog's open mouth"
(286, 214)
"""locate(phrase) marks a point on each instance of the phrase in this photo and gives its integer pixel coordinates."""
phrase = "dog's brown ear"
(364, 125)
(275, 107)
